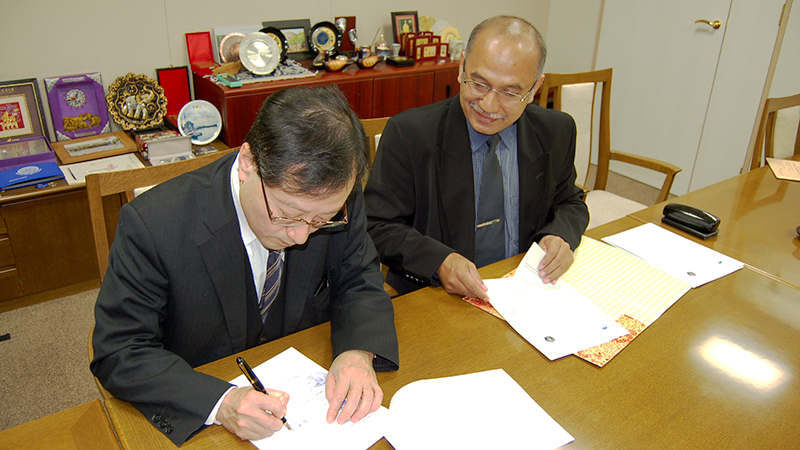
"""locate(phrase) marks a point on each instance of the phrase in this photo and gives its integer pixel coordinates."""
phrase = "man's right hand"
(460, 276)
(252, 415)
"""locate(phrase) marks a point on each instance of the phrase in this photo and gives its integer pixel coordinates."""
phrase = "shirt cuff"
(212, 418)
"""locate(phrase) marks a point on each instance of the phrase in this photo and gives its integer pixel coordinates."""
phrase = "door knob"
(715, 24)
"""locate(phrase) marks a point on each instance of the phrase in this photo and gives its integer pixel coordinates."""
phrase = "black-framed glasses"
(507, 98)
(289, 222)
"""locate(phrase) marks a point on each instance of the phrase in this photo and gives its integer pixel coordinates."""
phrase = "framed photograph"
(296, 34)
(94, 147)
(404, 22)
(175, 81)
(77, 106)
(21, 112)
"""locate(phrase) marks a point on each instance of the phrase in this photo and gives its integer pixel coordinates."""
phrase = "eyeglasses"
(288, 222)
(507, 98)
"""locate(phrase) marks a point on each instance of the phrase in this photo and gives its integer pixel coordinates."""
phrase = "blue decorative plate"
(200, 120)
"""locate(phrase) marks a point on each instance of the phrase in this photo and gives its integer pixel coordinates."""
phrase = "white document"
(304, 381)
(688, 261)
(556, 319)
(484, 410)
(76, 173)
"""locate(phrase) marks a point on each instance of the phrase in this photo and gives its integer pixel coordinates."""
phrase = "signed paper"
(304, 381)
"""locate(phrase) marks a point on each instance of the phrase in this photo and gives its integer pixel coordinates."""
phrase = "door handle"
(715, 24)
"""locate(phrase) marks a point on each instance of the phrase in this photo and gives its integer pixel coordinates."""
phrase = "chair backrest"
(779, 124)
(578, 95)
(102, 184)
(374, 129)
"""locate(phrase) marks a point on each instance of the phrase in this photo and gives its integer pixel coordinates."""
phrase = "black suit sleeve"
(129, 357)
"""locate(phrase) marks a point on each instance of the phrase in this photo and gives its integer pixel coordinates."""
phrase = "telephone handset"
(692, 220)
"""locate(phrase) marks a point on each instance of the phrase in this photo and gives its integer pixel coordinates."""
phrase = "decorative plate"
(229, 47)
(280, 39)
(136, 102)
(325, 36)
(259, 53)
(200, 120)
(450, 32)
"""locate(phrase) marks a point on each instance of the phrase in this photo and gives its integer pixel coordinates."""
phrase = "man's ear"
(539, 84)
(246, 161)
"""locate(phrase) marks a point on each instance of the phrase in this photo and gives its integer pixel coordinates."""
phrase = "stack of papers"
(437, 413)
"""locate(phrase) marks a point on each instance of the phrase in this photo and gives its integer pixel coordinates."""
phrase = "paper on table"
(556, 319)
(688, 261)
(304, 381)
(444, 413)
(785, 169)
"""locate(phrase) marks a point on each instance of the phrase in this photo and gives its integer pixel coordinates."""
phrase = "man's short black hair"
(308, 141)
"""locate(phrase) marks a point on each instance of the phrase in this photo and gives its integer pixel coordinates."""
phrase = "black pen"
(253, 379)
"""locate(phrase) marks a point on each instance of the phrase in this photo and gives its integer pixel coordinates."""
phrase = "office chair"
(779, 123)
(577, 95)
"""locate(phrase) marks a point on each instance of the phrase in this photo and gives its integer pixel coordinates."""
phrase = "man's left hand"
(352, 382)
(557, 258)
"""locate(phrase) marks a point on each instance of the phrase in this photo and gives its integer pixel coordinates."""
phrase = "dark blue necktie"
(271, 285)
(490, 242)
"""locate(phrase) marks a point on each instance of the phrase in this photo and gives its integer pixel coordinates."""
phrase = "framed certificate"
(21, 112)
(94, 147)
(77, 105)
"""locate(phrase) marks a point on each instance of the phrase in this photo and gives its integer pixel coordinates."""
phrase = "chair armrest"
(670, 170)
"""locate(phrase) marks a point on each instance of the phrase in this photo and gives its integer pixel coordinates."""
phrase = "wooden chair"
(374, 129)
(99, 185)
(773, 125)
(577, 94)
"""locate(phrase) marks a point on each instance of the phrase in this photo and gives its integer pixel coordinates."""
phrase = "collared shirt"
(256, 253)
(509, 166)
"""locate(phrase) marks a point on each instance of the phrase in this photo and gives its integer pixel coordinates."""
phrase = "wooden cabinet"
(378, 92)
(45, 242)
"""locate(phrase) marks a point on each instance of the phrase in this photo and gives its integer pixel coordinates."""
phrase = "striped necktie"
(490, 229)
(271, 285)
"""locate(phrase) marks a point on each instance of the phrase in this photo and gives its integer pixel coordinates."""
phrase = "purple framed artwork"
(77, 106)
(21, 112)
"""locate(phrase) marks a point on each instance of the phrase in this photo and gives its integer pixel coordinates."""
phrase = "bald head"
(494, 30)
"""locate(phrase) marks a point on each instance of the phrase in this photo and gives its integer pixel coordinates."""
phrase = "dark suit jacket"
(179, 293)
(420, 195)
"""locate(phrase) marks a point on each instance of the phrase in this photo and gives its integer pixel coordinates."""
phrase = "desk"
(759, 215)
(84, 427)
(663, 391)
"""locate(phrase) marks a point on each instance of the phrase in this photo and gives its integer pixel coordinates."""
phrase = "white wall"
(47, 38)
(786, 80)
(571, 35)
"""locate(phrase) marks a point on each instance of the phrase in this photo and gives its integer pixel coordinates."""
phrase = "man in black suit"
(422, 195)
(191, 255)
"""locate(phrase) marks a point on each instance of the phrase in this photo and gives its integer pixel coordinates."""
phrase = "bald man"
(423, 198)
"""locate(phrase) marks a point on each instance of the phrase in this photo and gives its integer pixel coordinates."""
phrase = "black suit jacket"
(420, 195)
(179, 293)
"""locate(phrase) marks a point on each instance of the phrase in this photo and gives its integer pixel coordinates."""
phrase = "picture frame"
(94, 147)
(77, 105)
(404, 22)
(296, 33)
(21, 111)
(175, 81)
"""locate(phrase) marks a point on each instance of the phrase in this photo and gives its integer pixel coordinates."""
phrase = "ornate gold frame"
(136, 102)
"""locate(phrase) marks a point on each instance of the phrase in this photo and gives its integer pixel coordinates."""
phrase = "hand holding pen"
(256, 383)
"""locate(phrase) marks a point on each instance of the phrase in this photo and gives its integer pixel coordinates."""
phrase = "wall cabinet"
(378, 92)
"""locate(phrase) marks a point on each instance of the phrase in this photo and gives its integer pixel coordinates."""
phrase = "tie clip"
(486, 224)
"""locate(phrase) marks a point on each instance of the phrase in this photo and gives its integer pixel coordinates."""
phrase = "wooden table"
(680, 384)
(758, 218)
(84, 427)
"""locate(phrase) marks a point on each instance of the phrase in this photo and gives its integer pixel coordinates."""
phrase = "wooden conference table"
(720, 369)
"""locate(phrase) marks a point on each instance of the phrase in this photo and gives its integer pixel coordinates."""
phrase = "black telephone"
(692, 220)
